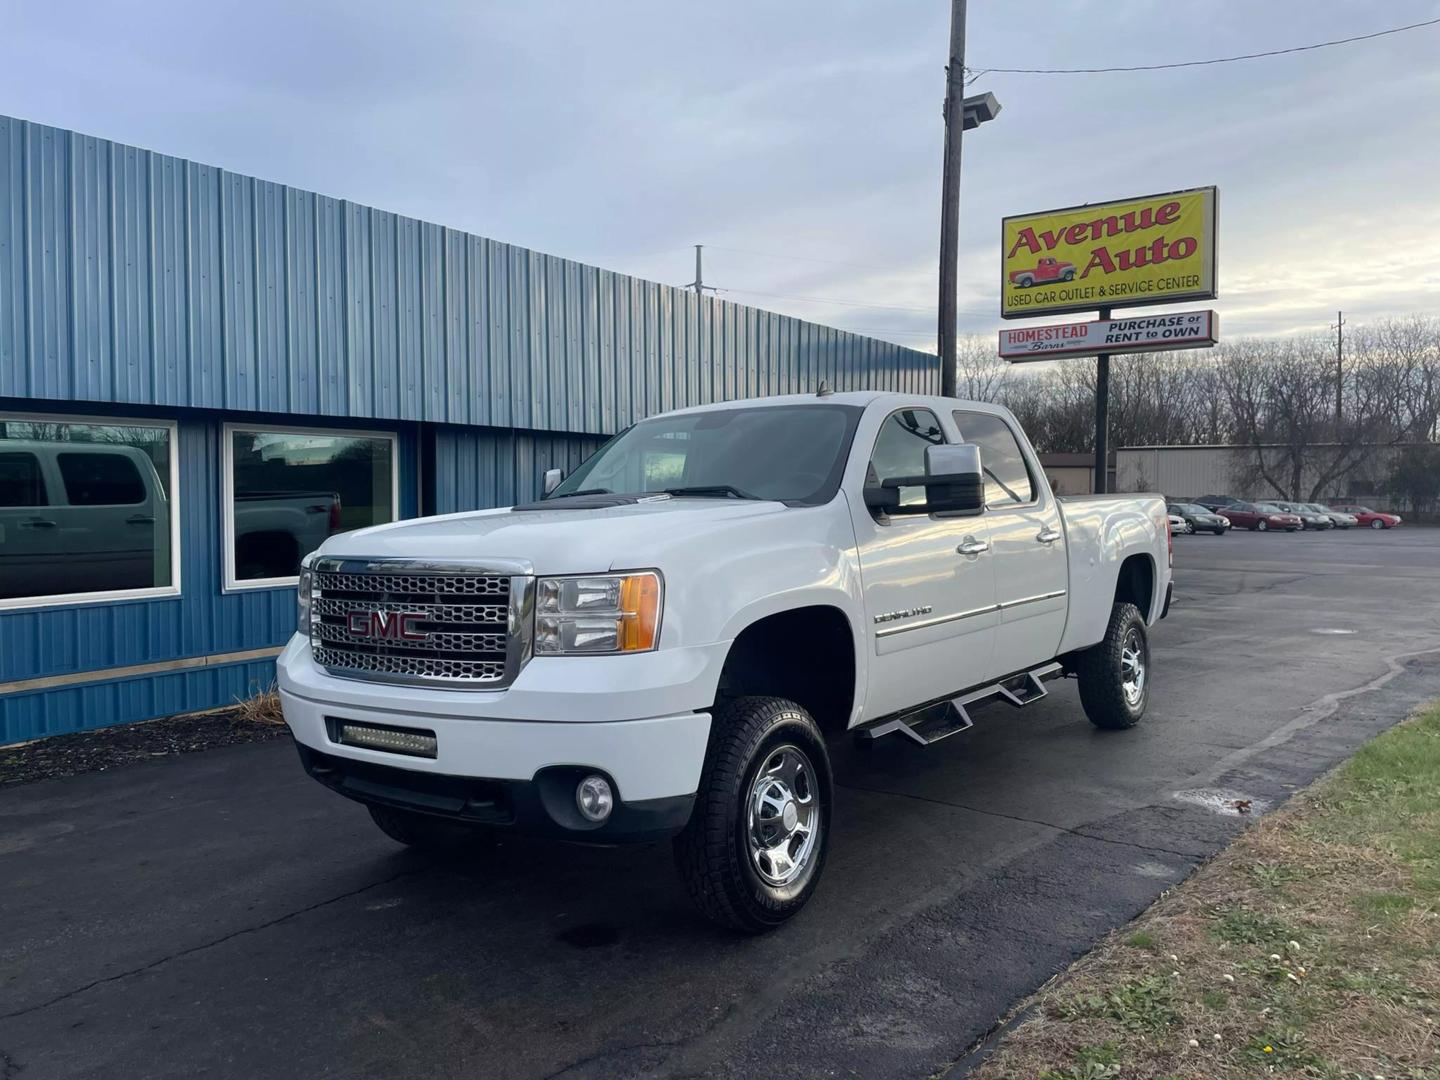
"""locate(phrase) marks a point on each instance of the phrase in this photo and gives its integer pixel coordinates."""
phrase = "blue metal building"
(275, 352)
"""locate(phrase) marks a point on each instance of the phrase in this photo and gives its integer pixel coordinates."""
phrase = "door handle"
(1048, 535)
(971, 546)
(139, 519)
(39, 523)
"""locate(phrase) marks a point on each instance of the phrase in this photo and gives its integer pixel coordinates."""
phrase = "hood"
(560, 541)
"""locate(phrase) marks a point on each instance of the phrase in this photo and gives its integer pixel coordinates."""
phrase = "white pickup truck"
(661, 646)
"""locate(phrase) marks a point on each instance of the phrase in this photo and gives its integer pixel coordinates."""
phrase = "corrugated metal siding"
(122, 267)
(479, 468)
(201, 622)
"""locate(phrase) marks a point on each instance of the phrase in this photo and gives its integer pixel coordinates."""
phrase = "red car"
(1374, 518)
(1047, 269)
(1261, 517)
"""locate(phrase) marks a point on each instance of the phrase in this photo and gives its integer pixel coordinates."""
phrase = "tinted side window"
(1007, 477)
(101, 480)
(20, 481)
(900, 449)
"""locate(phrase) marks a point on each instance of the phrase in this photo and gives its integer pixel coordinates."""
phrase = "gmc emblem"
(386, 625)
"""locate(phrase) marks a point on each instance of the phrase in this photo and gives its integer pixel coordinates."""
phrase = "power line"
(845, 303)
(1213, 60)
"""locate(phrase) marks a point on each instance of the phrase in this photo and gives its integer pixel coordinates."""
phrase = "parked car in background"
(1179, 525)
(1318, 520)
(1261, 517)
(1374, 519)
(1199, 519)
(1341, 519)
(1213, 502)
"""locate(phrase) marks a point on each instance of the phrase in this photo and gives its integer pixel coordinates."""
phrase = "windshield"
(1268, 508)
(789, 453)
(1189, 508)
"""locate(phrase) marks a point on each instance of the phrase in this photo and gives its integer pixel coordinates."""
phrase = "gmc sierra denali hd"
(661, 645)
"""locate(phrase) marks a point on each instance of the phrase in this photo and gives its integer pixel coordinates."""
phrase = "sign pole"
(1102, 417)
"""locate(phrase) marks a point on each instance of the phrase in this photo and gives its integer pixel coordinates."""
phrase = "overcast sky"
(800, 139)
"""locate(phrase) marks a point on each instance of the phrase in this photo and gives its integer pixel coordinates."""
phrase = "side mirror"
(552, 479)
(954, 482)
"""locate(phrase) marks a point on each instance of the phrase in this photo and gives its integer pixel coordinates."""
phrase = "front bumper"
(516, 748)
(542, 806)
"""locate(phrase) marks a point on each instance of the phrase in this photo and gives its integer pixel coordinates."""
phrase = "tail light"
(335, 515)
(1169, 542)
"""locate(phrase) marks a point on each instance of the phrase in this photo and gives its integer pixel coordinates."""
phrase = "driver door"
(929, 581)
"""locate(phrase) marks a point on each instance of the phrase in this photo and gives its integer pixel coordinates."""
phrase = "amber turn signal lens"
(640, 608)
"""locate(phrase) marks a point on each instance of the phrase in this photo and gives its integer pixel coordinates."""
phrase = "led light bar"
(394, 740)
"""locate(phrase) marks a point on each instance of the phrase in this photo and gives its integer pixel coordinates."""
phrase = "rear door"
(929, 581)
(109, 524)
(30, 561)
(1027, 539)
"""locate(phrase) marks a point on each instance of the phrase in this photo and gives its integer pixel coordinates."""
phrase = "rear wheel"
(1115, 674)
(753, 850)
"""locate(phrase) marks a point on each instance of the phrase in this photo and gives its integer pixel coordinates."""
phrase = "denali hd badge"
(908, 613)
(386, 625)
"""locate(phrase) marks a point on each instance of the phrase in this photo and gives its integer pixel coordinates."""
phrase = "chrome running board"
(931, 723)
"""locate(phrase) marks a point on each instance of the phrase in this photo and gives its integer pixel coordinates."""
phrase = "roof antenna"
(824, 390)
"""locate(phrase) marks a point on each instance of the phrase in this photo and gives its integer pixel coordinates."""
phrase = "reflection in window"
(1007, 477)
(84, 508)
(900, 449)
(293, 490)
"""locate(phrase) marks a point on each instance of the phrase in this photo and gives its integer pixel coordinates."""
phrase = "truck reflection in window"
(292, 490)
(83, 509)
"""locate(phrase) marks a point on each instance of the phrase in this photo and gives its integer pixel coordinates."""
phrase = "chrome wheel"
(783, 816)
(1132, 667)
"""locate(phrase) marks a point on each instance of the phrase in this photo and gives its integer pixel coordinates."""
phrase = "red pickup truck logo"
(1047, 269)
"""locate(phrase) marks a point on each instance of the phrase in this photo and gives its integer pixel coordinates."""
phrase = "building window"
(87, 510)
(288, 489)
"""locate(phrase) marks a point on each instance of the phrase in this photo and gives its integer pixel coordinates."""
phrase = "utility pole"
(1339, 329)
(1102, 418)
(950, 197)
(699, 283)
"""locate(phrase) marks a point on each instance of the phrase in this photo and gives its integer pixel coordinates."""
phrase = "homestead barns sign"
(1153, 250)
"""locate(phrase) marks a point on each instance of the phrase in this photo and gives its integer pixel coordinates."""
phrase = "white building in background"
(1193, 471)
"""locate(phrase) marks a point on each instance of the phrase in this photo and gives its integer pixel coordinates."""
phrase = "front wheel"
(1114, 674)
(1262, 526)
(1377, 524)
(752, 852)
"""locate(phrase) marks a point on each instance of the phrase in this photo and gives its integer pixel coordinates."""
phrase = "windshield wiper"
(712, 491)
(582, 491)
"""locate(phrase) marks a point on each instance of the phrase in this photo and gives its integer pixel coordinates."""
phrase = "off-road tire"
(712, 852)
(424, 831)
(1098, 669)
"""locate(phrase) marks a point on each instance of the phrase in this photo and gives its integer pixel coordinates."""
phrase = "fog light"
(594, 798)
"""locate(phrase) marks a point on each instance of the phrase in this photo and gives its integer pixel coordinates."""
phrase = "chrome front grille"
(399, 621)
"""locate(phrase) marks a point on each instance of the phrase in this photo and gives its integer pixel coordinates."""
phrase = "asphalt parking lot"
(221, 915)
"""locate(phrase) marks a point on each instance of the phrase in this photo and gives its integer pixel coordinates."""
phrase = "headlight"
(614, 613)
(307, 579)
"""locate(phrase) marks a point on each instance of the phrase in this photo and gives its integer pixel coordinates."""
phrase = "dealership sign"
(1148, 333)
(1159, 249)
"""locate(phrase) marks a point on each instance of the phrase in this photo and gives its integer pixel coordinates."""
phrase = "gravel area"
(125, 744)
